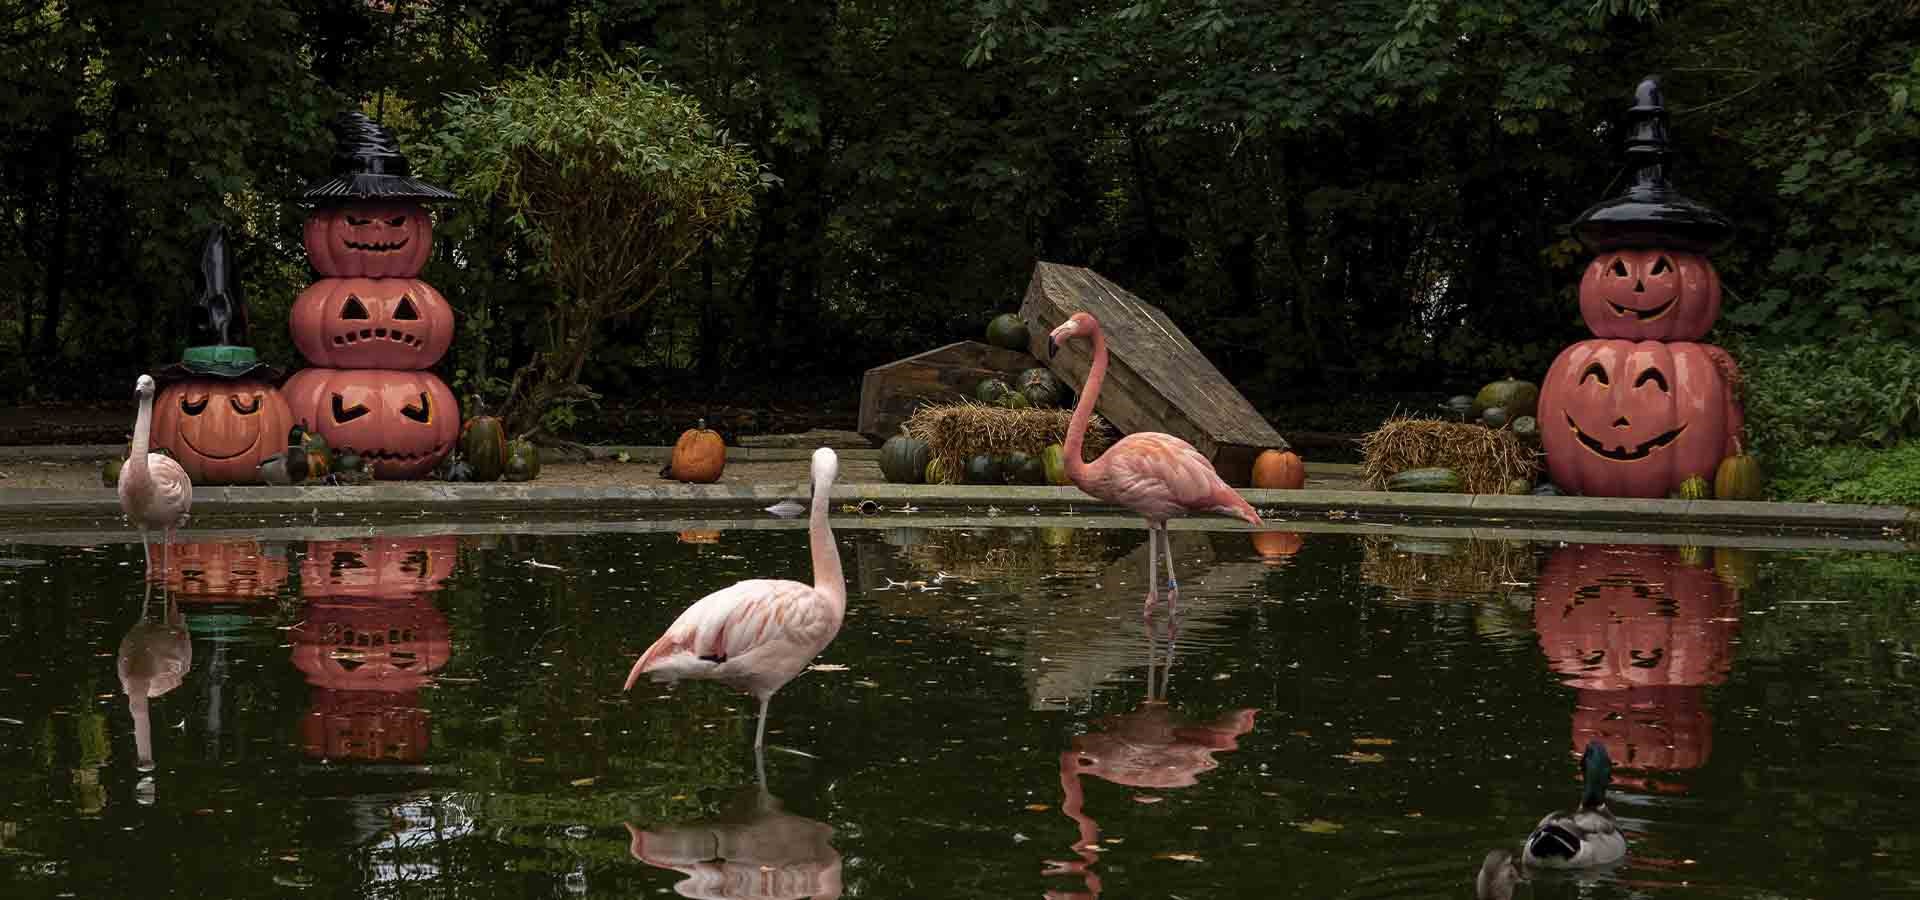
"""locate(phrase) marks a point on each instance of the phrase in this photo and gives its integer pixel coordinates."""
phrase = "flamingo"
(754, 849)
(1156, 475)
(154, 659)
(155, 491)
(757, 635)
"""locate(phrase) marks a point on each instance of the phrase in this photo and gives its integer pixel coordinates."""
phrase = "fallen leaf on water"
(1374, 742)
(1179, 857)
(1415, 814)
(1147, 798)
(1038, 807)
(1223, 676)
(867, 684)
(826, 667)
(1303, 734)
(582, 782)
(1358, 757)
(534, 760)
(1321, 826)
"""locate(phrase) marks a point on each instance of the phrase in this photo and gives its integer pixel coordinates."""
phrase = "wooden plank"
(890, 393)
(1157, 380)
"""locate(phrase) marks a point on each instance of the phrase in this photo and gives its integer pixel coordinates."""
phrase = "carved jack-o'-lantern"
(369, 239)
(368, 657)
(1634, 419)
(378, 568)
(371, 323)
(1612, 618)
(224, 572)
(370, 644)
(402, 423)
(369, 726)
(1650, 295)
(219, 429)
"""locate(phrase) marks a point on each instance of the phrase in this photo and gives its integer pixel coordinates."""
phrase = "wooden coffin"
(1157, 380)
(890, 393)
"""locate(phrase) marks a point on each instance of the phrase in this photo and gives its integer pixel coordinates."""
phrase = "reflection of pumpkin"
(371, 323)
(369, 239)
(1648, 728)
(1627, 419)
(368, 726)
(220, 429)
(378, 568)
(370, 644)
(1276, 546)
(400, 423)
(700, 536)
(699, 455)
(224, 572)
(1612, 617)
(1650, 295)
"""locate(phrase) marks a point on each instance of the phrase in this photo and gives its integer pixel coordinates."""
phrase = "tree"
(615, 179)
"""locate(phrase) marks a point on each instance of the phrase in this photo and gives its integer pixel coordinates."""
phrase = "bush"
(1848, 474)
(1864, 394)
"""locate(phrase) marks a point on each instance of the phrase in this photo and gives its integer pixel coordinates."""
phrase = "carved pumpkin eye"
(1595, 373)
(405, 310)
(346, 560)
(422, 413)
(397, 221)
(241, 406)
(342, 415)
(1661, 267)
(356, 221)
(1619, 267)
(1654, 376)
(354, 309)
(193, 406)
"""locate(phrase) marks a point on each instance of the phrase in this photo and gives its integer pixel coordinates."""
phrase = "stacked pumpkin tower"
(1643, 409)
(370, 327)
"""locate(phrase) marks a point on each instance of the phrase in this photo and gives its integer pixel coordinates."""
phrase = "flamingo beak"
(1053, 347)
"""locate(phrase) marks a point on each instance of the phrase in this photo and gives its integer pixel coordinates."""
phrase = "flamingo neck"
(1083, 411)
(137, 454)
(827, 576)
(142, 723)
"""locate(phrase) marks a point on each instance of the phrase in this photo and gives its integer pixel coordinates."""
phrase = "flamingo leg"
(1153, 576)
(1173, 584)
(146, 553)
(760, 737)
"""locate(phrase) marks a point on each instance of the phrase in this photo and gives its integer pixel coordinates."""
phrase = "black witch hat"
(218, 326)
(368, 165)
(1651, 213)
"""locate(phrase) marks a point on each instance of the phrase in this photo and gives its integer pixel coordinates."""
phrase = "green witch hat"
(218, 329)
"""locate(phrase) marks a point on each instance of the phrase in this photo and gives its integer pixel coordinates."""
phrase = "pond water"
(1344, 716)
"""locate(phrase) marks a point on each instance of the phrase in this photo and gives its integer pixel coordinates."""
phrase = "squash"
(1023, 468)
(1694, 488)
(1042, 388)
(983, 469)
(1280, 469)
(1695, 556)
(1518, 398)
(1426, 481)
(1461, 406)
(990, 390)
(1527, 429)
(1547, 489)
(1519, 486)
(1054, 461)
(1494, 417)
(903, 459)
(110, 471)
(1738, 477)
(1008, 330)
(483, 441)
(1013, 400)
(523, 460)
(1736, 567)
(699, 456)
(937, 473)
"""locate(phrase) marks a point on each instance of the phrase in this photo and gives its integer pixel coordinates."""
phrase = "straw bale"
(1486, 458)
(956, 432)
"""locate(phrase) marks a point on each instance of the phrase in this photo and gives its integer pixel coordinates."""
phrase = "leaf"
(1359, 757)
(1374, 742)
(582, 782)
(1321, 826)
(1180, 857)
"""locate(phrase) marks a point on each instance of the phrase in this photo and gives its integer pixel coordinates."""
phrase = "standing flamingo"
(757, 635)
(1156, 475)
(154, 491)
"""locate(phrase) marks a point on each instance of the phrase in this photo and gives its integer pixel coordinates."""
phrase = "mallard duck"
(1499, 875)
(1583, 836)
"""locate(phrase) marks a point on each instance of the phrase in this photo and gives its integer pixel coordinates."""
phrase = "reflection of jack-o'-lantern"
(1635, 419)
(1647, 728)
(1650, 295)
(370, 726)
(369, 239)
(371, 323)
(378, 568)
(1276, 547)
(1612, 618)
(219, 429)
(402, 423)
(370, 645)
(224, 572)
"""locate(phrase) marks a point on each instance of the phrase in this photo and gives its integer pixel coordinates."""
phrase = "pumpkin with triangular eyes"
(401, 423)
(221, 572)
(1635, 419)
(369, 239)
(221, 429)
(1650, 295)
(371, 323)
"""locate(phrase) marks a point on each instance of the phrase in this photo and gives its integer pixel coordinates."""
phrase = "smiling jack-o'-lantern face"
(369, 239)
(402, 423)
(220, 429)
(1634, 419)
(1615, 617)
(371, 323)
(1650, 295)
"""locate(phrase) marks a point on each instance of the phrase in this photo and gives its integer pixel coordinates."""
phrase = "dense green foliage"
(1836, 422)
(1328, 197)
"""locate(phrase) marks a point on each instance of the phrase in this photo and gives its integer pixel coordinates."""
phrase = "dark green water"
(1344, 717)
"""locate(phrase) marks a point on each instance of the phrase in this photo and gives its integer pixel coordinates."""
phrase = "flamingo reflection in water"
(154, 658)
(1151, 747)
(755, 849)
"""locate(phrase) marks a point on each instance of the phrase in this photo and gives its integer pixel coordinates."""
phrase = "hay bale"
(956, 432)
(1486, 458)
(1428, 569)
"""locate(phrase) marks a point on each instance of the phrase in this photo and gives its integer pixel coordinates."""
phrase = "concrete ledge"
(637, 453)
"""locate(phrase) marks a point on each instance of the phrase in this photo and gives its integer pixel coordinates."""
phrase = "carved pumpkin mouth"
(1623, 454)
(376, 334)
(395, 455)
(1644, 315)
(375, 246)
(194, 407)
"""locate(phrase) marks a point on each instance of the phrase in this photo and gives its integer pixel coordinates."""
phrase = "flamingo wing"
(1163, 469)
(172, 488)
(757, 627)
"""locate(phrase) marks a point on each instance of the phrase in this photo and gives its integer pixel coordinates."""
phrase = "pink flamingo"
(154, 491)
(1156, 475)
(154, 659)
(754, 849)
(757, 635)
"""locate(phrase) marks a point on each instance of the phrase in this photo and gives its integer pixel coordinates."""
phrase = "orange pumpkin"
(1279, 469)
(401, 423)
(225, 572)
(378, 568)
(220, 429)
(1635, 419)
(1650, 295)
(699, 456)
(371, 323)
(1276, 547)
(369, 239)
